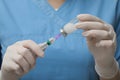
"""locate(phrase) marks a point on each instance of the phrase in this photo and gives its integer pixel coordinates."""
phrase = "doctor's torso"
(69, 57)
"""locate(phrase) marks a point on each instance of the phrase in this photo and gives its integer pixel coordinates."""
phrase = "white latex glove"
(101, 40)
(19, 59)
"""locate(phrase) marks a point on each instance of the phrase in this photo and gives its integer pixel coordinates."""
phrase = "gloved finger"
(19, 59)
(17, 69)
(13, 67)
(97, 34)
(106, 44)
(88, 17)
(29, 44)
(28, 55)
(91, 26)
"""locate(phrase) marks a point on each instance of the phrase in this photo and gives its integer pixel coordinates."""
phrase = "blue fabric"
(68, 58)
(0, 58)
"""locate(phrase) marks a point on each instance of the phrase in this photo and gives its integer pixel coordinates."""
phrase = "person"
(92, 52)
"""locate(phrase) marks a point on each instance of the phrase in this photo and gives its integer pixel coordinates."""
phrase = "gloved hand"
(19, 59)
(101, 40)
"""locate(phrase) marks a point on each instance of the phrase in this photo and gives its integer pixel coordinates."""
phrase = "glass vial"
(69, 27)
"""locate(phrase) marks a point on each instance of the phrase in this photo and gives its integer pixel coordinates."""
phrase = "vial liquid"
(69, 27)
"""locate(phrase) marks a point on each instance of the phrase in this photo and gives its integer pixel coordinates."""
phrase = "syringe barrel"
(44, 45)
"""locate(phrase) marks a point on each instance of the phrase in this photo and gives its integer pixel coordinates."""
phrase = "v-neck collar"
(50, 12)
(62, 6)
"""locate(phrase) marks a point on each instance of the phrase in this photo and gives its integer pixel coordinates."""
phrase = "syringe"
(44, 45)
(67, 29)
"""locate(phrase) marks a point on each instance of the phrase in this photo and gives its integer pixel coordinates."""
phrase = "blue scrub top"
(68, 58)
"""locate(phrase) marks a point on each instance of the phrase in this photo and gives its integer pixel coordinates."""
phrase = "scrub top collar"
(50, 11)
